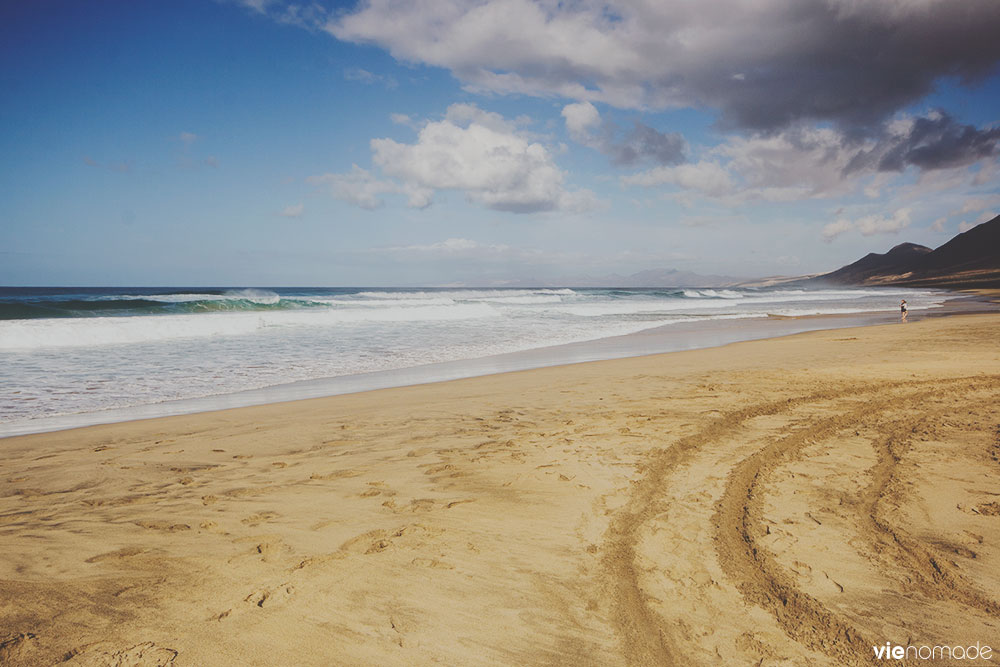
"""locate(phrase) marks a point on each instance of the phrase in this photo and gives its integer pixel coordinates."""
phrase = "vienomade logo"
(889, 651)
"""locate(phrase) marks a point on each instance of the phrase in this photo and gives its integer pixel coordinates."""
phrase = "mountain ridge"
(971, 259)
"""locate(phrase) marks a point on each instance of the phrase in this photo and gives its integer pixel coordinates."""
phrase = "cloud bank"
(640, 144)
(816, 100)
(472, 151)
(764, 65)
(801, 162)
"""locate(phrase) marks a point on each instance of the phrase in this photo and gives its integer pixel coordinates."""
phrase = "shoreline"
(648, 510)
(656, 340)
(638, 344)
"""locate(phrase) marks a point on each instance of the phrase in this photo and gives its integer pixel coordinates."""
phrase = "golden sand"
(789, 501)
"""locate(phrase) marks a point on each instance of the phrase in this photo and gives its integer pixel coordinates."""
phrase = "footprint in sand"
(337, 474)
(422, 451)
(120, 554)
(258, 518)
(101, 654)
(164, 526)
(17, 648)
(988, 509)
(269, 548)
(415, 506)
(270, 597)
(374, 541)
(445, 470)
(247, 492)
(432, 563)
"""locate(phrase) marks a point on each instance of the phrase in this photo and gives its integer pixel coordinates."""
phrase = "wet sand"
(785, 501)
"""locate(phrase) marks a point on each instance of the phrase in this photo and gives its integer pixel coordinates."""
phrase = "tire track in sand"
(763, 582)
(644, 639)
(933, 575)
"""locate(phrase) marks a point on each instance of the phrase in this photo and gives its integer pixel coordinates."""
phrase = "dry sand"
(790, 501)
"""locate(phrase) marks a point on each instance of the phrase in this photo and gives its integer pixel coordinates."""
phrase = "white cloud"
(581, 119)
(707, 178)
(257, 6)
(868, 225)
(187, 138)
(293, 211)
(472, 151)
(361, 75)
(794, 165)
(836, 228)
(359, 187)
(453, 248)
(977, 204)
(309, 16)
(966, 225)
(875, 224)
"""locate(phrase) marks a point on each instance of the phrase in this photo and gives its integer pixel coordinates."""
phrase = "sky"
(486, 142)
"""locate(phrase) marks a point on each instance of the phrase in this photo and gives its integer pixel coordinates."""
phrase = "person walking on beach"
(902, 310)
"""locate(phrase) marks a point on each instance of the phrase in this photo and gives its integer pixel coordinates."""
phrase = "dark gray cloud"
(763, 65)
(857, 67)
(641, 144)
(935, 141)
(645, 144)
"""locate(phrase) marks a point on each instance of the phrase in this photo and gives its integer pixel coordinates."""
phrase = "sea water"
(71, 351)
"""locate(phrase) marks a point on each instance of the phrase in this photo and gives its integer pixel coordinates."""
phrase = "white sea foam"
(101, 331)
(466, 294)
(525, 300)
(74, 363)
(623, 307)
(712, 294)
(94, 331)
(376, 303)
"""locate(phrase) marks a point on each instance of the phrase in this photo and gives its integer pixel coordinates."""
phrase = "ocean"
(86, 351)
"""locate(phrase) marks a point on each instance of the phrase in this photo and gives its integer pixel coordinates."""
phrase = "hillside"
(876, 266)
(971, 259)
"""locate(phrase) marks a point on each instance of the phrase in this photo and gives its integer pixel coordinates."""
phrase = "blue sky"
(271, 143)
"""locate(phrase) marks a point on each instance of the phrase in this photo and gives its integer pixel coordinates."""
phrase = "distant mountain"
(649, 278)
(971, 259)
(664, 278)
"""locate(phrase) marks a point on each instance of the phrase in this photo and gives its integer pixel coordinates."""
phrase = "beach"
(789, 501)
